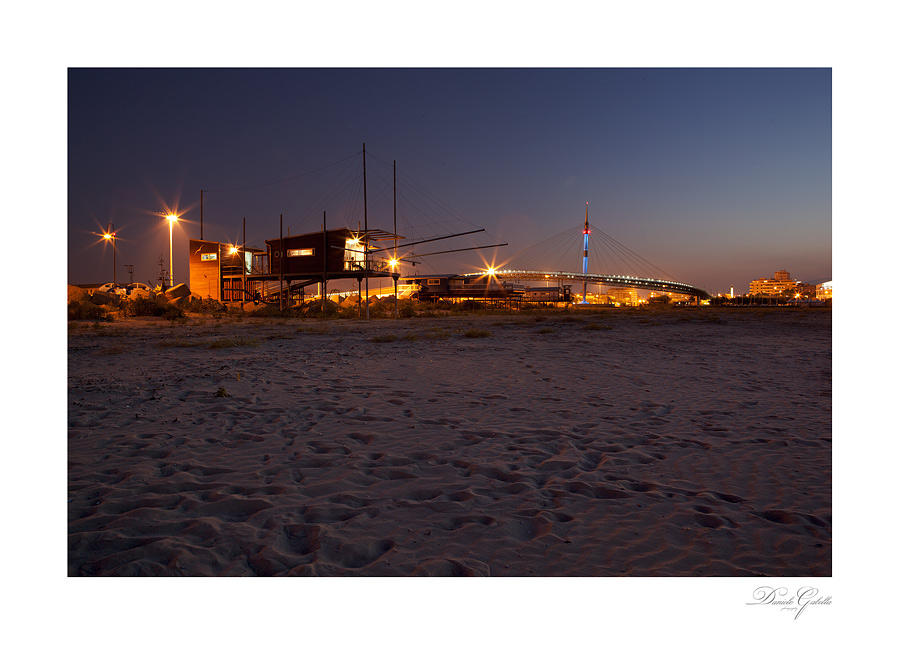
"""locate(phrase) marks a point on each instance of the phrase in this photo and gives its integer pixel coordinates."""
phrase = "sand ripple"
(680, 448)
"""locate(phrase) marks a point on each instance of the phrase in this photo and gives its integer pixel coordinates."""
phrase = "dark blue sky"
(716, 176)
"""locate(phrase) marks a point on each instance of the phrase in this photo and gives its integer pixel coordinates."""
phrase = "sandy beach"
(691, 442)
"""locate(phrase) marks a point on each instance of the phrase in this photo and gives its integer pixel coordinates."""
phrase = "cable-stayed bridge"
(619, 266)
(651, 284)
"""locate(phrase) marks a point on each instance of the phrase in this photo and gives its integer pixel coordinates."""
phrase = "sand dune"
(640, 444)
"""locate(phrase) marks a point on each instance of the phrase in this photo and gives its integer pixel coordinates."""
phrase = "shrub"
(204, 305)
(173, 313)
(143, 307)
(83, 310)
(222, 343)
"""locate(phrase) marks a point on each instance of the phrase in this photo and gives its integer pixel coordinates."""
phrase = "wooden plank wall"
(204, 274)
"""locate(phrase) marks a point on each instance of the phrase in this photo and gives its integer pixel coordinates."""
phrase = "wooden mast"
(281, 262)
(396, 267)
(324, 261)
(366, 234)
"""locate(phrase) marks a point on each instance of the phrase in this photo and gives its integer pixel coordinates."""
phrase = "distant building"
(624, 295)
(777, 285)
(823, 291)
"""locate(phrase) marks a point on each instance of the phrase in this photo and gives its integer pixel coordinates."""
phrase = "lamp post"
(172, 218)
(110, 235)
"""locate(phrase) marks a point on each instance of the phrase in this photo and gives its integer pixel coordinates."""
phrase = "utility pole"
(113, 229)
(163, 278)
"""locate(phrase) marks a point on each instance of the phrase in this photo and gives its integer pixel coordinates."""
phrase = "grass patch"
(181, 343)
(224, 343)
(383, 338)
(547, 330)
(476, 333)
(281, 336)
(321, 328)
(111, 349)
(597, 326)
(101, 330)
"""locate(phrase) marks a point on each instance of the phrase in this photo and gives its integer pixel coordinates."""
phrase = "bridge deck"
(652, 284)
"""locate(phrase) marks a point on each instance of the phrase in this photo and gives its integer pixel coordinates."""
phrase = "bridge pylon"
(584, 267)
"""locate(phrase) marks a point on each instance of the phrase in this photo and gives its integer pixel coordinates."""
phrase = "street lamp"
(110, 236)
(172, 218)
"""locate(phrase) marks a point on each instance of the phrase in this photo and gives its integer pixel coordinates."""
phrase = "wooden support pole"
(324, 261)
(366, 234)
(281, 262)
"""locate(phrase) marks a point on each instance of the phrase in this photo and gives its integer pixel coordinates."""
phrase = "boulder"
(181, 301)
(137, 294)
(101, 298)
(178, 291)
(350, 301)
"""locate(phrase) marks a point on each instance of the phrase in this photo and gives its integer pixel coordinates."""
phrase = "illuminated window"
(296, 253)
(433, 281)
(209, 256)
(354, 254)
